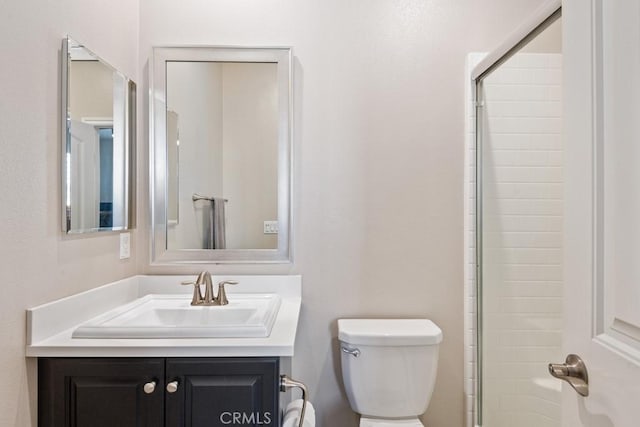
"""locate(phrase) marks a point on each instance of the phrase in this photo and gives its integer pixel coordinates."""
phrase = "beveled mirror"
(221, 154)
(98, 134)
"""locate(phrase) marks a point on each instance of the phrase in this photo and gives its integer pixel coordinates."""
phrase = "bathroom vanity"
(158, 381)
(158, 391)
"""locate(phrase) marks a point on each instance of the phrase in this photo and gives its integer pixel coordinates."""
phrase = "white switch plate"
(125, 245)
(271, 227)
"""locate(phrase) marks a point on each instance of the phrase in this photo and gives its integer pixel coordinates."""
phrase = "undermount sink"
(173, 316)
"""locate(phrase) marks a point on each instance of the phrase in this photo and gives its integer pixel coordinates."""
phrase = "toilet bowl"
(389, 368)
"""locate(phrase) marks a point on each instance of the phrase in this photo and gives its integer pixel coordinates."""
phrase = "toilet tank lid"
(389, 332)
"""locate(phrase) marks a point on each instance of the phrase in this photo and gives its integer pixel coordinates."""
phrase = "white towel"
(292, 414)
(216, 230)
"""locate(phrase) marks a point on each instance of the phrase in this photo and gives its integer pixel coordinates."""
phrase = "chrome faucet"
(204, 278)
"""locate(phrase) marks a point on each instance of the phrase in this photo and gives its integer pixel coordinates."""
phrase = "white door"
(601, 45)
(85, 176)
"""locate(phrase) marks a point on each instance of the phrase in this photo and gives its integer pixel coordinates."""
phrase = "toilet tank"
(389, 365)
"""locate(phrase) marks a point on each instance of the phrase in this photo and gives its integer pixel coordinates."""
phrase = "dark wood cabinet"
(110, 392)
(222, 392)
(99, 392)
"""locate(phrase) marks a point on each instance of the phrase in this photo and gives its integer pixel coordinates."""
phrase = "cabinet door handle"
(149, 387)
(172, 387)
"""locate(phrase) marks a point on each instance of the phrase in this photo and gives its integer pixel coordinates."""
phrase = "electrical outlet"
(125, 245)
(271, 227)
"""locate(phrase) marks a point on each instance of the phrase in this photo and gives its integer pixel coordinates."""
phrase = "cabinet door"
(100, 393)
(223, 392)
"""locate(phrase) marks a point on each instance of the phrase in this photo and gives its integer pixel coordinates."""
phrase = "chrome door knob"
(573, 371)
(149, 387)
(172, 387)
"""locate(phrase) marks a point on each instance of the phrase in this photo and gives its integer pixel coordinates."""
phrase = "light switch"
(125, 245)
(271, 227)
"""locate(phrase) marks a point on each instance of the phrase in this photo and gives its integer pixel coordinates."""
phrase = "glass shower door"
(520, 290)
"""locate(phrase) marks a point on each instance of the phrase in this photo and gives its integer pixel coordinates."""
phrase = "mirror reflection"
(222, 155)
(96, 108)
(173, 168)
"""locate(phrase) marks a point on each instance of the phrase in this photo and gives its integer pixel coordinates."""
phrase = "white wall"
(39, 264)
(548, 41)
(522, 242)
(379, 131)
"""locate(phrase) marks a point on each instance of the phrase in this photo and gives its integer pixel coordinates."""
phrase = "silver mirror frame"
(129, 166)
(160, 254)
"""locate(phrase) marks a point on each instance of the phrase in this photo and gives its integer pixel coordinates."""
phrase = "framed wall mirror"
(220, 154)
(98, 143)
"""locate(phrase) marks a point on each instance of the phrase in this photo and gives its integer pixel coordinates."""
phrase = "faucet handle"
(222, 294)
(197, 294)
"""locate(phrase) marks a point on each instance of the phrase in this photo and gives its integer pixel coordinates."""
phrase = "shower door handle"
(573, 371)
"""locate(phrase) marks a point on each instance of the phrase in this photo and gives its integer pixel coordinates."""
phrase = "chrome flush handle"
(352, 351)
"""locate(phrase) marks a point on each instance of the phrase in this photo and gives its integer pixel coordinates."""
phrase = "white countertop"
(49, 326)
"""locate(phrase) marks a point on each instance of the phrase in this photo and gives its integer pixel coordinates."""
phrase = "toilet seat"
(380, 422)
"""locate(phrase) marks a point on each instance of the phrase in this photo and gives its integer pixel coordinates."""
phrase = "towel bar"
(197, 197)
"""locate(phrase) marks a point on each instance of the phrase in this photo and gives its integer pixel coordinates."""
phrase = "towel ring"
(287, 383)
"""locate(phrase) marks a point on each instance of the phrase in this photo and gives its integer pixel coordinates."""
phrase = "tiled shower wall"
(522, 259)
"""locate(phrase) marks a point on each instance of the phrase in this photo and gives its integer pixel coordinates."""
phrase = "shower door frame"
(548, 13)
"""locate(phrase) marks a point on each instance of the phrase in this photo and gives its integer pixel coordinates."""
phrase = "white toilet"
(389, 368)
